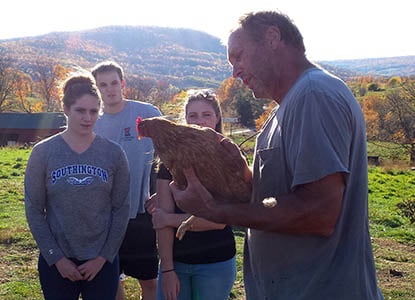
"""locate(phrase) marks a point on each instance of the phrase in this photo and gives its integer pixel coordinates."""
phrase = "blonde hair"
(208, 97)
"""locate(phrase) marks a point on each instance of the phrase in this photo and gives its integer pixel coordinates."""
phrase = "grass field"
(393, 235)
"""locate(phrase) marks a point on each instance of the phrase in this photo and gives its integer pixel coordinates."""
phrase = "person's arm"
(312, 208)
(162, 219)
(35, 207)
(119, 210)
(165, 238)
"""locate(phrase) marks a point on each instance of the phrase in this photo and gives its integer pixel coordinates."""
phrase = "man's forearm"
(311, 209)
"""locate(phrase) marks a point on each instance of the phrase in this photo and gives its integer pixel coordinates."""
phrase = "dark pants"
(55, 287)
(138, 252)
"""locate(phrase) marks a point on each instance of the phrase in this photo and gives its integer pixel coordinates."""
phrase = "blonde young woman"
(201, 265)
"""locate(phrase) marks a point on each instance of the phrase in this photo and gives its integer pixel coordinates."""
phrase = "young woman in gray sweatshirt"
(76, 200)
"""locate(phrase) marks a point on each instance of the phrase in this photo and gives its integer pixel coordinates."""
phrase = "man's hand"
(91, 268)
(195, 198)
(68, 269)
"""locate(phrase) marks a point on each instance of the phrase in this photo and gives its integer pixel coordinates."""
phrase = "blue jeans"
(203, 281)
(55, 287)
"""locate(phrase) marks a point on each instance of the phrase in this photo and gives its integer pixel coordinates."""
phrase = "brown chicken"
(185, 146)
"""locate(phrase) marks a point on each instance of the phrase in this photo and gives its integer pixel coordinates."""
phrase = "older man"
(313, 241)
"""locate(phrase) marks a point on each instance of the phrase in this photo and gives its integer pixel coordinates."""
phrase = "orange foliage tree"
(48, 78)
(238, 101)
(401, 124)
(173, 109)
(226, 95)
(23, 88)
(149, 90)
(264, 117)
(390, 117)
(375, 109)
(7, 79)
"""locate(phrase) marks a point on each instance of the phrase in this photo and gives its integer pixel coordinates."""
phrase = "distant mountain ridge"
(183, 57)
(387, 66)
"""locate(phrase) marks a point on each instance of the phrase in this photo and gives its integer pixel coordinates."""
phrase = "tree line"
(388, 104)
(389, 108)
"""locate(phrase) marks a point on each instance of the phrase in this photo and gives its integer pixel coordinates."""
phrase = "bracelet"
(166, 271)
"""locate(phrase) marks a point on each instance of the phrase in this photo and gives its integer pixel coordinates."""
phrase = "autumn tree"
(161, 93)
(375, 109)
(138, 88)
(7, 79)
(174, 108)
(390, 117)
(48, 78)
(22, 89)
(149, 90)
(401, 124)
(226, 96)
(394, 81)
(238, 101)
(265, 115)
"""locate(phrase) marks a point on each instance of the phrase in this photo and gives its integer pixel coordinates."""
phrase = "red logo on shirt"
(127, 131)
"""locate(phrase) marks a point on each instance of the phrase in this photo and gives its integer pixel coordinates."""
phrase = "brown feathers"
(184, 146)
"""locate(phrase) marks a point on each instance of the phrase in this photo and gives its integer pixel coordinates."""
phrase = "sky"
(332, 29)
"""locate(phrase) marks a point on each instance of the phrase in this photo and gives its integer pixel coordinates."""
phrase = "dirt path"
(395, 264)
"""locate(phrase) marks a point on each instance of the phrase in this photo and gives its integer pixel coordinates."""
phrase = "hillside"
(388, 66)
(183, 57)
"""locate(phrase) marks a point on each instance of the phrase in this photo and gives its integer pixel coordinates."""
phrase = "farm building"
(25, 128)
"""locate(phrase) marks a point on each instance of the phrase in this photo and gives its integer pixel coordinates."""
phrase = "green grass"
(387, 188)
(393, 235)
(18, 250)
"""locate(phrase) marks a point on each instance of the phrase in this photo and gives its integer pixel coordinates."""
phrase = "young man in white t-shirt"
(138, 253)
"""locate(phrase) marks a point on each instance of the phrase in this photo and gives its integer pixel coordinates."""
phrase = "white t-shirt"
(121, 128)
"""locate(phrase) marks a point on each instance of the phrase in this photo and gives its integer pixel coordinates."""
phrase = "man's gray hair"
(256, 24)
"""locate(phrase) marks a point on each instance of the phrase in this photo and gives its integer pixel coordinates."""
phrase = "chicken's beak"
(137, 125)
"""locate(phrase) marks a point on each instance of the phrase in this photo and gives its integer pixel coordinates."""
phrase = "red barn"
(26, 128)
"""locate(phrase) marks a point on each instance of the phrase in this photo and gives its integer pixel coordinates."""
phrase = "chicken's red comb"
(137, 122)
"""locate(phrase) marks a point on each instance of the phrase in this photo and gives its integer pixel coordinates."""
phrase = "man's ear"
(273, 37)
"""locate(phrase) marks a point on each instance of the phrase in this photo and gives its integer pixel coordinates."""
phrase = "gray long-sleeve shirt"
(77, 204)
